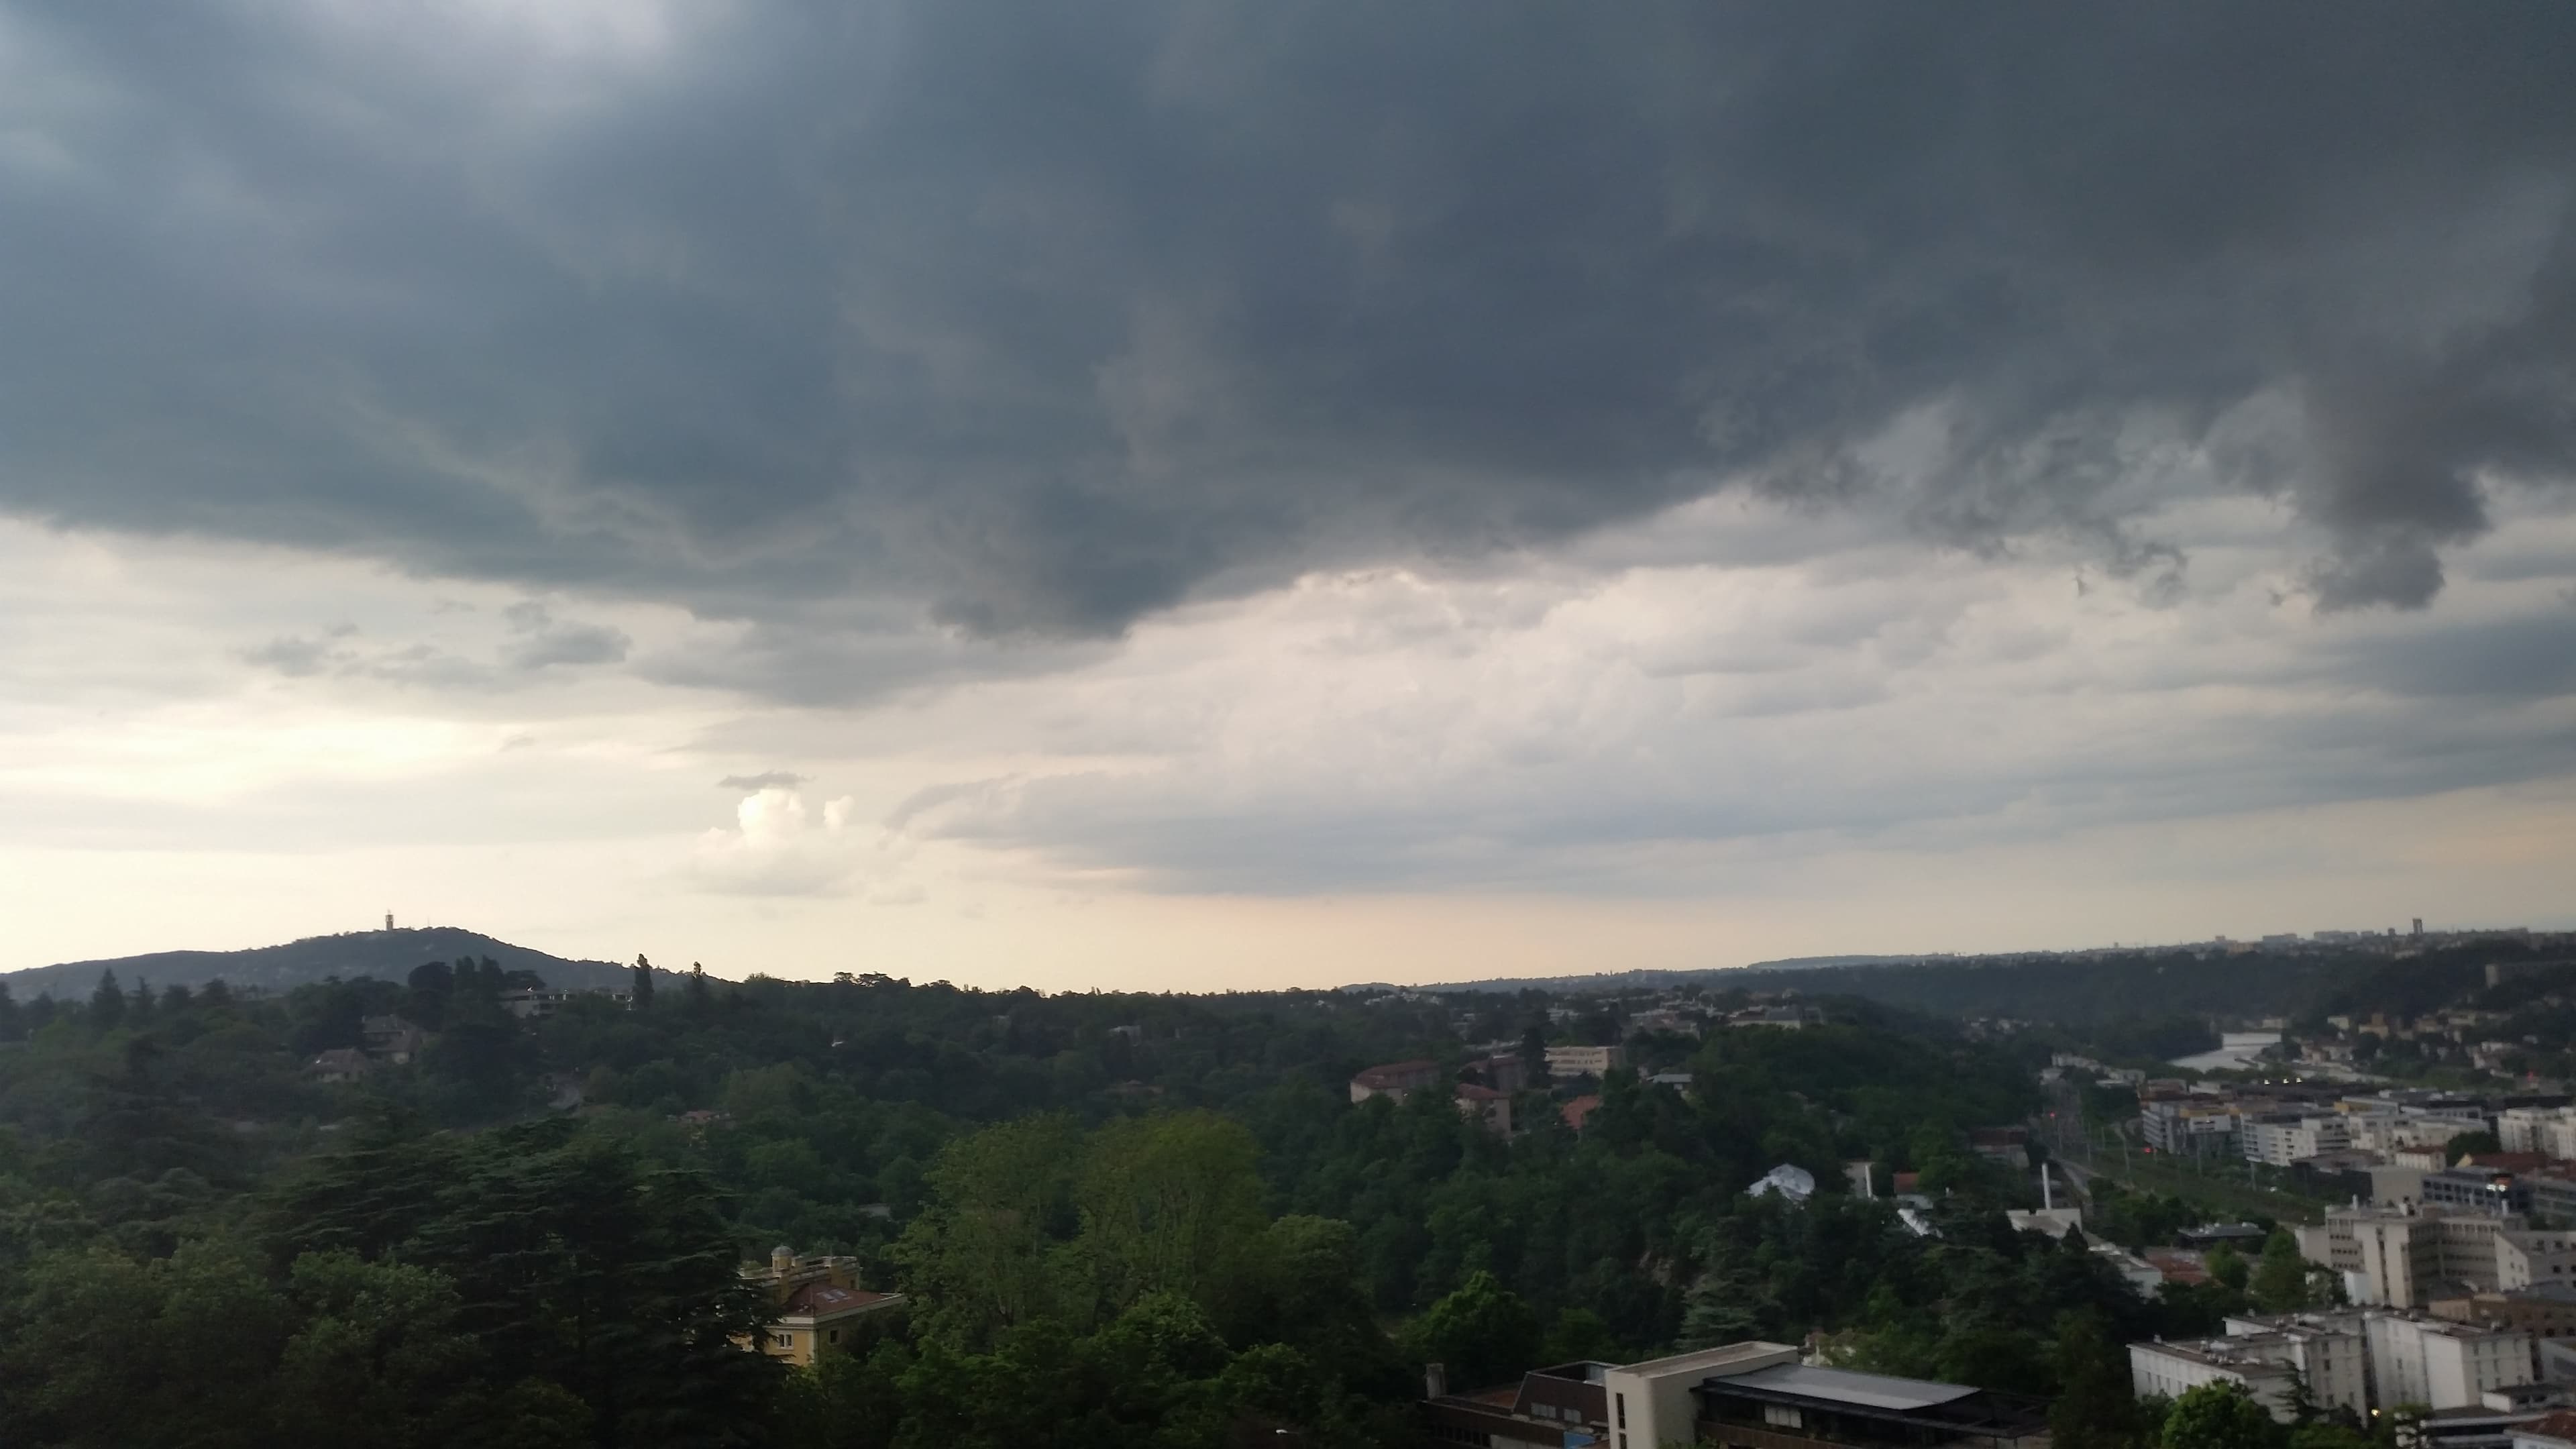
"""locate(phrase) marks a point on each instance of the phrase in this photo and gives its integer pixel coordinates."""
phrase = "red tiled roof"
(2560, 1425)
(1470, 1092)
(2178, 1265)
(2509, 1161)
(1579, 1111)
(1396, 1074)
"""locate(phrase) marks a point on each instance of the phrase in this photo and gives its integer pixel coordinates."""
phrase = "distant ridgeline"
(2093, 987)
(385, 955)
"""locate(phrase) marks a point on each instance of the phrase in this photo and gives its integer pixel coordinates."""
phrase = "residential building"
(534, 1005)
(2549, 1131)
(2357, 1359)
(2134, 1269)
(2245, 1237)
(2477, 1190)
(2006, 1145)
(1583, 1061)
(2555, 1430)
(2186, 1266)
(2279, 1139)
(2498, 1420)
(2552, 1196)
(2196, 1126)
(2263, 1357)
(2416, 1359)
(1492, 1107)
(1654, 1403)
(339, 1064)
(1644, 1405)
(392, 1039)
(1802, 1406)
(2530, 1257)
(2393, 1186)
(1503, 1071)
(2390, 1132)
(2050, 1222)
(1788, 1180)
(2547, 1310)
(1395, 1079)
(1739, 1396)
(2403, 1260)
(819, 1305)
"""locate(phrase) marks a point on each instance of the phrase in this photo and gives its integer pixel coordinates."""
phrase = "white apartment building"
(2390, 1133)
(1582, 1061)
(2198, 1126)
(2394, 1259)
(2550, 1131)
(2170, 1370)
(2355, 1359)
(2279, 1140)
(2329, 1349)
(2262, 1359)
(2448, 1365)
(2527, 1258)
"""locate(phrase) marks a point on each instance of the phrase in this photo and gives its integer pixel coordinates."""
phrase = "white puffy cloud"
(776, 848)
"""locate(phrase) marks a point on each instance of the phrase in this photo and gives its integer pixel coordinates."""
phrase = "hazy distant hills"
(385, 955)
(1640, 980)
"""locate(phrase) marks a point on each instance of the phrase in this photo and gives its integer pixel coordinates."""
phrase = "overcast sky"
(1208, 494)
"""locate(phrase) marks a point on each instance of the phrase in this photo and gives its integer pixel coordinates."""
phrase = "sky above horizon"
(1209, 495)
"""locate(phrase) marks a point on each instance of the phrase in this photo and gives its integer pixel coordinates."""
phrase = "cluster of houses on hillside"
(394, 1041)
(2393, 1145)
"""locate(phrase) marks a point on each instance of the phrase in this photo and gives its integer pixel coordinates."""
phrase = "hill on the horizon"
(1648, 978)
(385, 955)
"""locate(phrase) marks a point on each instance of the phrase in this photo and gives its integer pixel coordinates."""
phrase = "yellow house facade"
(819, 1304)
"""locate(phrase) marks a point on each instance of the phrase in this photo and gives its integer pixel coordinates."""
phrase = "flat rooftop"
(1847, 1386)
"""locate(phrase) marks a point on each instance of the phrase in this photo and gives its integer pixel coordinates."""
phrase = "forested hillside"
(388, 955)
(1118, 1219)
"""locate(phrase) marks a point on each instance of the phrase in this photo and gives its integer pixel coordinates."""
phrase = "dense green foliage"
(1118, 1219)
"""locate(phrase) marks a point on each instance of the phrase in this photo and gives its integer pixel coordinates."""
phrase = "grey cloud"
(2506, 660)
(1038, 320)
(297, 657)
(765, 780)
(556, 644)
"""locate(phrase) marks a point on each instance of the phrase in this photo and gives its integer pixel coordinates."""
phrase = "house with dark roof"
(339, 1064)
(392, 1038)
(1799, 1406)
(1749, 1395)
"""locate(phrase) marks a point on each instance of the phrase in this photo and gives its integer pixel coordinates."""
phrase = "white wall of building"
(2443, 1364)
(1651, 1405)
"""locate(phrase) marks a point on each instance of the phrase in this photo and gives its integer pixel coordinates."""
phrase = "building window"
(1781, 1416)
(784, 1340)
(1619, 1403)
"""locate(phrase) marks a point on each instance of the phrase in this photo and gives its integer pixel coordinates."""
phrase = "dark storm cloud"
(1047, 317)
